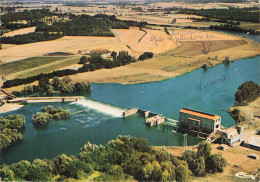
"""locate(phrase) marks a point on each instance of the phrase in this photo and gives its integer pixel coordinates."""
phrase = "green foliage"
(237, 116)
(9, 129)
(247, 92)
(56, 82)
(162, 155)
(204, 149)
(199, 167)
(82, 86)
(31, 16)
(233, 28)
(146, 55)
(21, 169)
(181, 173)
(49, 113)
(6, 173)
(80, 26)
(239, 14)
(121, 159)
(66, 79)
(66, 88)
(30, 38)
(216, 163)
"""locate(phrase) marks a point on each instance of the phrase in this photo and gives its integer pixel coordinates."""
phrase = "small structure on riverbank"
(156, 120)
(232, 136)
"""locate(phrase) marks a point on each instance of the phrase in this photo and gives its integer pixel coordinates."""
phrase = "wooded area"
(9, 127)
(125, 158)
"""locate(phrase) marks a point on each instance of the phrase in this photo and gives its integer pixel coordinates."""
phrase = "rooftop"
(199, 113)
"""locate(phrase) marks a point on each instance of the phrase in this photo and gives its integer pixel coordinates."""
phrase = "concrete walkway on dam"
(45, 99)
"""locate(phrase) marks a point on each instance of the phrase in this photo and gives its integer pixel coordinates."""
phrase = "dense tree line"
(15, 25)
(145, 55)
(21, 81)
(126, 158)
(48, 87)
(30, 38)
(31, 16)
(247, 92)
(96, 62)
(239, 14)
(233, 28)
(9, 127)
(48, 113)
(89, 26)
(85, 25)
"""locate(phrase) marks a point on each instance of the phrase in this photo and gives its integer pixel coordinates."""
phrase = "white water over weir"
(102, 107)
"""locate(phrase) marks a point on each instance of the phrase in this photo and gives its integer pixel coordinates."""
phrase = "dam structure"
(151, 118)
(45, 99)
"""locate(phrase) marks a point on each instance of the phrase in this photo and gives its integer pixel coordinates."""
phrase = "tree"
(157, 172)
(67, 88)
(49, 90)
(199, 167)
(174, 20)
(66, 79)
(83, 60)
(190, 156)
(6, 173)
(21, 169)
(82, 86)
(247, 92)
(181, 173)
(162, 155)
(170, 169)
(56, 82)
(216, 163)
(204, 150)
(43, 82)
(114, 55)
(148, 171)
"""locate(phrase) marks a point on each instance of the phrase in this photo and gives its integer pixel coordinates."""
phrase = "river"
(99, 126)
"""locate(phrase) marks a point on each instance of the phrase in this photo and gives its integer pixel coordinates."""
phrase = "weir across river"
(125, 111)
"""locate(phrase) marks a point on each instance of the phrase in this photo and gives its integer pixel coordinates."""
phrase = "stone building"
(199, 121)
(156, 120)
(231, 135)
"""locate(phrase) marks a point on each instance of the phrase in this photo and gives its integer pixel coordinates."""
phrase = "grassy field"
(4, 30)
(47, 68)
(250, 25)
(17, 66)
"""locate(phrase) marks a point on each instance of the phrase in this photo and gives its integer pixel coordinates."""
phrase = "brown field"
(173, 63)
(64, 44)
(159, 19)
(171, 59)
(20, 31)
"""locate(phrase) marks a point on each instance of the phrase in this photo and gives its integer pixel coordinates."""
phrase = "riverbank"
(250, 114)
(7, 107)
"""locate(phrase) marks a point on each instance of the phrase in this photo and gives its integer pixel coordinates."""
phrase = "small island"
(48, 113)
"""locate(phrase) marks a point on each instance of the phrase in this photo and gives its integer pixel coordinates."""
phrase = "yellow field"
(64, 44)
(20, 31)
(175, 54)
